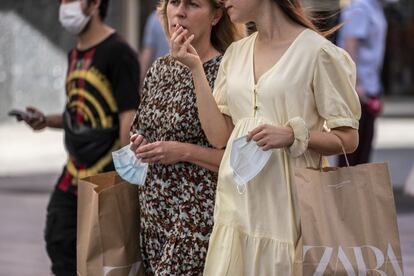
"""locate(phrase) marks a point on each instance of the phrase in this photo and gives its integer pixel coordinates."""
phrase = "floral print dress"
(177, 201)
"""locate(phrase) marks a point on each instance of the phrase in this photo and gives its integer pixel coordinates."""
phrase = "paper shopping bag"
(108, 227)
(348, 222)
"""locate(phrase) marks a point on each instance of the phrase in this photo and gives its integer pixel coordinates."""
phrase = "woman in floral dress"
(177, 200)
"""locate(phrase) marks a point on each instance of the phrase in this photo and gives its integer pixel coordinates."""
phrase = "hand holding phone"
(20, 115)
(33, 117)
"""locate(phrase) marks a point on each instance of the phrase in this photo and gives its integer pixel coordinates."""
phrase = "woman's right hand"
(182, 50)
(137, 141)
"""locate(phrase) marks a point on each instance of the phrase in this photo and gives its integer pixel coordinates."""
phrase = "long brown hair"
(294, 10)
(222, 34)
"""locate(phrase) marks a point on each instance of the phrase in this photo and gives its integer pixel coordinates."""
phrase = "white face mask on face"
(72, 18)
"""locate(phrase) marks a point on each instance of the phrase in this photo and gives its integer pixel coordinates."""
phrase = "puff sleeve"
(334, 88)
(220, 85)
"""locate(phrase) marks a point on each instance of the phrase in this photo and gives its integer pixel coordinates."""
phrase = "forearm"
(330, 143)
(214, 123)
(125, 121)
(54, 121)
(208, 158)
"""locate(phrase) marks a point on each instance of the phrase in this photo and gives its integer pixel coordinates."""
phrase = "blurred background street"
(33, 59)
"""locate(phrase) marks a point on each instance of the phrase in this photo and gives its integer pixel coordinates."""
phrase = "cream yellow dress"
(255, 233)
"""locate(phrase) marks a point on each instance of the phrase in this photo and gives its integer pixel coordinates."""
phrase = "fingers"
(137, 140)
(148, 151)
(255, 131)
(133, 137)
(31, 109)
(179, 43)
(36, 123)
(178, 30)
(187, 43)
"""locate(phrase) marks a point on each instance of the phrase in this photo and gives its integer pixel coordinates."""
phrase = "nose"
(181, 10)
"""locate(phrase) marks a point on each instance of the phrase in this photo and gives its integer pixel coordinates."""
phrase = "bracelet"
(301, 135)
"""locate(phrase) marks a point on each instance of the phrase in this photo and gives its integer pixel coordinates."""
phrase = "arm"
(351, 45)
(172, 152)
(125, 120)
(54, 121)
(208, 158)
(216, 125)
(330, 143)
(40, 121)
(325, 143)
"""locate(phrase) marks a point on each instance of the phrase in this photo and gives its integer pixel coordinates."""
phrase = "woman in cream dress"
(279, 86)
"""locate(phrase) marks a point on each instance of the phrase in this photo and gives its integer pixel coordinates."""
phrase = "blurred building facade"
(33, 47)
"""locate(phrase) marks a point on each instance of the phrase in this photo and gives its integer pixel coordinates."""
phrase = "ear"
(217, 14)
(93, 6)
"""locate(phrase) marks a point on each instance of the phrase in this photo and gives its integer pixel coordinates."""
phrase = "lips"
(175, 26)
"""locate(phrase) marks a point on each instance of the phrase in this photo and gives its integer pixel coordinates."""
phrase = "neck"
(273, 23)
(206, 51)
(95, 33)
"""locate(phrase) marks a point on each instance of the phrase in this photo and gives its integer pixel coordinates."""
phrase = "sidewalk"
(30, 164)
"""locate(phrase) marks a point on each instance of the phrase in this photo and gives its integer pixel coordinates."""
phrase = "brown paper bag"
(108, 227)
(348, 221)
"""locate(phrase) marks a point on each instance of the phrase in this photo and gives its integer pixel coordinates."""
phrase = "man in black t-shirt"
(102, 95)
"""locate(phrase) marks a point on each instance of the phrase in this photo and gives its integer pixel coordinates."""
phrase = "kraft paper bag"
(108, 227)
(348, 221)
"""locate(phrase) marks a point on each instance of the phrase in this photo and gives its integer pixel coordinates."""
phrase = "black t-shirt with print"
(101, 83)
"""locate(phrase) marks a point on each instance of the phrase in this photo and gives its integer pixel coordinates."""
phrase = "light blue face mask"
(129, 167)
(247, 159)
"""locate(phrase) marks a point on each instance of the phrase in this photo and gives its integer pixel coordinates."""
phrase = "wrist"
(45, 120)
(197, 67)
(301, 137)
(184, 151)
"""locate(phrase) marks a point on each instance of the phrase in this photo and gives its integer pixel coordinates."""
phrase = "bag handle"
(343, 151)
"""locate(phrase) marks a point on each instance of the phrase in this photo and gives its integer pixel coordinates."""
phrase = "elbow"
(352, 144)
(218, 145)
(218, 141)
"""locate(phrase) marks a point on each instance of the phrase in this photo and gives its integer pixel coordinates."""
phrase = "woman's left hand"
(271, 137)
(163, 152)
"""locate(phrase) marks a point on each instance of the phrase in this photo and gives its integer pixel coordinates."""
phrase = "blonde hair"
(222, 34)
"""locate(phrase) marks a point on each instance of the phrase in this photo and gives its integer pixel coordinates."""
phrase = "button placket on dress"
(255, 107)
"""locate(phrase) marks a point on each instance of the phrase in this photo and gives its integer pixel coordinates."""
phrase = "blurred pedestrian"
(177, 200)
(363, 37)
(102, 95)
(154, 43)
(275, 91)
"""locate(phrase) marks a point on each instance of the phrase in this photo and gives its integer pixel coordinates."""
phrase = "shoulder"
(161, 66)
(355, 8)
(324, 50)
(241, 45)
(318, 44)
(116, 43)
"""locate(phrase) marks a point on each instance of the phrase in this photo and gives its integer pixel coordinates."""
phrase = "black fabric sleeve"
(125, 77)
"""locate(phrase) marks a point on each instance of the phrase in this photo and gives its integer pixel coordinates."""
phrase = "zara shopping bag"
(108, 227)
(348, 221)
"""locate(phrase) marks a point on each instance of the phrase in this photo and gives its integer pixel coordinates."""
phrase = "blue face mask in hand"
(129, 167)
(247, 159)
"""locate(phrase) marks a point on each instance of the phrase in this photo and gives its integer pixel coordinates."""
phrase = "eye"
(194, 4)
(173, 2)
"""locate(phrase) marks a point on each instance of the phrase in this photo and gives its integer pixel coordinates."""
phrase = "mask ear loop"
(241, 188)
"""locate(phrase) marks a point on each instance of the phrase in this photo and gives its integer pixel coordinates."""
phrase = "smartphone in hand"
(21, 115)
